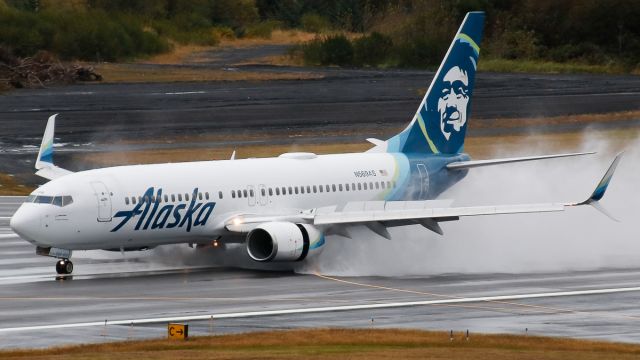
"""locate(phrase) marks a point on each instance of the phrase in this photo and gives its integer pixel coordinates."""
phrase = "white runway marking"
(185, 93)
(323, 309)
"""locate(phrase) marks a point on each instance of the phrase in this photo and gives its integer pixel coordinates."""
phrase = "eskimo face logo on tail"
(446, 111)
(151, 216)
(453, 101)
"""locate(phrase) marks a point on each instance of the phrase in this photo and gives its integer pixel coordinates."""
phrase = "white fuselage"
(100, 215)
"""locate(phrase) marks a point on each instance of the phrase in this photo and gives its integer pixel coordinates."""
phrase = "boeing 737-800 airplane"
(282, 207)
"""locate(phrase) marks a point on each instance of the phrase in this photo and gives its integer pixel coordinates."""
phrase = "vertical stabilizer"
(440, 123)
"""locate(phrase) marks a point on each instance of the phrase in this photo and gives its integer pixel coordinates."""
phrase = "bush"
(515, 44)
(314, 23)
(311, 51)
(372, 50)
(336, 50)
(262, 29)
(92, 35)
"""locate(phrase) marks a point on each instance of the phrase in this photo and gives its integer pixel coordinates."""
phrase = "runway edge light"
(177, 331)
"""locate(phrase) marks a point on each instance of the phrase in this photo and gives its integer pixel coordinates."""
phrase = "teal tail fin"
(439, 126)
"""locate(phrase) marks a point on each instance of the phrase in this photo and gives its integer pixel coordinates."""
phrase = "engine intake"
(283, 241)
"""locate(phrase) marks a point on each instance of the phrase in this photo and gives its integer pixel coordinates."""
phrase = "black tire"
(68, 267)
(60, 267)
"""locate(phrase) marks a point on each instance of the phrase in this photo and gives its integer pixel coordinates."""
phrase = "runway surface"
(138, 294)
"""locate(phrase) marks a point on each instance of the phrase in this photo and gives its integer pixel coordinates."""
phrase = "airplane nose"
(25, 223)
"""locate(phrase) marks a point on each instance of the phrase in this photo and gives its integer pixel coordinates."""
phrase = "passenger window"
(359, 186)
(382, 184)
(388, 184)
(277, 191)
(290, 190)
(340, 187)
(315, 189)
(328, 188)
(133, 200)
(126, 201)
(219, 195)
(186, 197)
(244, 193)
(308, 189)
(301, 189)
(173, 198)
(200, 196)
(233, 194)
(364, 186)
(179, 197)
(320, 188)
(296, 189)
(377, 185)
(206, 195)
(263, 192)
(166, 198)
(251, 193)
(371, 185)
(346, 187)
(333, 187)
(270, 192)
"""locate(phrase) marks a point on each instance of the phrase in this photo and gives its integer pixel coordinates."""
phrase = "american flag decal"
(383, 172)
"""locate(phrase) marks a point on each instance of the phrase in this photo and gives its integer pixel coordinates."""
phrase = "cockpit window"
(57, 201)
(42, 199)
(52, 200)
(67, 200)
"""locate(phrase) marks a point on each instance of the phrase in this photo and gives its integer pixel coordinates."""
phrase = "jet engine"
(284, 241)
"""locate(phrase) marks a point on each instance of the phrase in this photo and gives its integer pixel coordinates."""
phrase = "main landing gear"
(64, 267)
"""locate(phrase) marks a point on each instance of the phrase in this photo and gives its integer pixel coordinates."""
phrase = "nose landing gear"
(64, 267)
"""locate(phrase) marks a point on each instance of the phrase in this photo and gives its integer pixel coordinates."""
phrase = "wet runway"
(138, 294)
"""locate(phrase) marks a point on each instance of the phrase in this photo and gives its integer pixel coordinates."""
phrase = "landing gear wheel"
(64, 267)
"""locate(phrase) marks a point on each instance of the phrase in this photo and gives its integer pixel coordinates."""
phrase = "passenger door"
(252, 195)
(103, 196)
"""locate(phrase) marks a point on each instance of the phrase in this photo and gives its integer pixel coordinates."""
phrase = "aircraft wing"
(44, 163)
(378, 215)
(459, 165)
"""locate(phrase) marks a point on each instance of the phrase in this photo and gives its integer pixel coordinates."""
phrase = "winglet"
(598, 193)
(601, 188)
(44, 163)
(45, 155)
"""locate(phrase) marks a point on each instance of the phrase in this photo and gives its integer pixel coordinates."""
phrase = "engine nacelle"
(284, 241)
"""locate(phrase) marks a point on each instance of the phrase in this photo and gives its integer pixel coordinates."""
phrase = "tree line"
(405, 33)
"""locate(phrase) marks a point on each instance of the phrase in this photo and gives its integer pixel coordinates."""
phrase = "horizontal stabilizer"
(459, 165)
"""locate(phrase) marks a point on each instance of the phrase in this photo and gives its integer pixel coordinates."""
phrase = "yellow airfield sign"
(178, 331)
